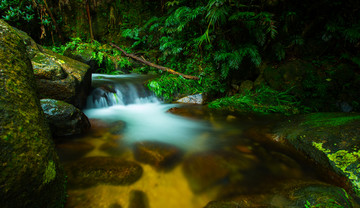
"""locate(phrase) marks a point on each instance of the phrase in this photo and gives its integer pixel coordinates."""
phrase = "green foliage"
(330, 203)
(108, 59)
(170, 86)
(232, 60)
(28, 14)
(15, 10)
(262, 100)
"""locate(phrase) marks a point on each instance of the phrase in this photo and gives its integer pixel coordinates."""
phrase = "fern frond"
(352, 34)
(217, 12)
(242, 16)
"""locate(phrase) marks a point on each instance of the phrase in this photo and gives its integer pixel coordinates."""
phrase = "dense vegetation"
(301, 56)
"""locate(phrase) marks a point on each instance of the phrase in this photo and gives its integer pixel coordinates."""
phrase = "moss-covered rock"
(84, 55)
(291, 194)
(330, 139)
(75, 85)
(58, 77)
(64, 119)
(91, 171)
(30, 174)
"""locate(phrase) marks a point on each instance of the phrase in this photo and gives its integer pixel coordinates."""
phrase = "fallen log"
(162, 68)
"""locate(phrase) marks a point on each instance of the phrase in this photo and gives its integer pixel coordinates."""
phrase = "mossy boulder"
(30, 174)
(91, 171)
(58, 77)
(73, 87)
(84, 54)
(290, 194)
(330, 139)
(64, 119)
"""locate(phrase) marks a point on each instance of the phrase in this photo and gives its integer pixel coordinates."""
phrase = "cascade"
(124, 98)
(119, 90)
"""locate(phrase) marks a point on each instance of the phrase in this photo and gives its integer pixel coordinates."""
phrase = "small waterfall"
(129, 89)
(124, 98)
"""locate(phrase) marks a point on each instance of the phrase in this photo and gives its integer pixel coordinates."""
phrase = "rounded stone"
(64, 119)
(91, 171)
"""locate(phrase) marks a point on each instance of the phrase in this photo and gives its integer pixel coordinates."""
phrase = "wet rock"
(31, 175)
(332, 140)
(85, 55)
(291, 194)
(74, 150)
(160, 155)
(99, 128)
(194, 112)
(192, 99)
(72, 87)
(91, 171)
(58, 77)
(138, 199)
(209, 169)
(64, 119)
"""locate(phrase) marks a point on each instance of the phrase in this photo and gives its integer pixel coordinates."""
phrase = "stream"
(189, 155)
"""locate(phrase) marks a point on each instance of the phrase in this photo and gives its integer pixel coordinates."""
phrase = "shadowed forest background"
(264, 56)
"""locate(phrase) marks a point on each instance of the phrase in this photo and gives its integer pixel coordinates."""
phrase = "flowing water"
(218, 154)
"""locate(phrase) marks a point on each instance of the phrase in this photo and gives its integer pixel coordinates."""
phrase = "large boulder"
(30, 172)
(332, 140)
(291, 193)
(64, 119)
(58, 77)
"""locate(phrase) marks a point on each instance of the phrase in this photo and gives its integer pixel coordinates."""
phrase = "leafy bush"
(169, 87)
(262, 100)
(109, 60)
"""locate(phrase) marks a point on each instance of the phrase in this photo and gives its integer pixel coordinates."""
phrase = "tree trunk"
(89, 19)
(57, 29)
(162, 68)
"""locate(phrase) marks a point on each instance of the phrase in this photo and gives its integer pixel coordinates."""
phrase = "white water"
(144, 115)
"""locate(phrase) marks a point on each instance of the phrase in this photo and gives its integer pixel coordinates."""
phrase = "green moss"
(319, 146)
(329, 119)
(50, 172)
(345, 161)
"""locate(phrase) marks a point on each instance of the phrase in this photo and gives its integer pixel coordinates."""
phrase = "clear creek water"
(223, 154)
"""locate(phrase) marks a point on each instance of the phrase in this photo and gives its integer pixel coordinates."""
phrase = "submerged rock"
(157, 154)
(332, 140)
(31, 175)
(92, 171)
(64, 119)
(209, 169)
